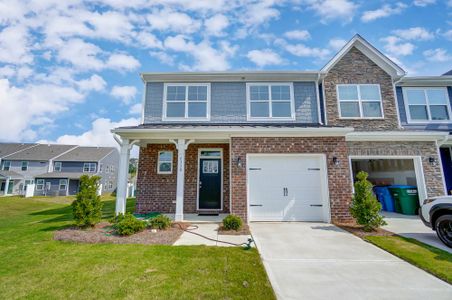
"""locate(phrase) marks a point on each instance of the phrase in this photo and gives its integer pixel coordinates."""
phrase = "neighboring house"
(55, 169)
(9, 178)
(425, 104)
(275, 146)
(63, 178)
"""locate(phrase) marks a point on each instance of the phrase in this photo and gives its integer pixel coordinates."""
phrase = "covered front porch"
(9, 182)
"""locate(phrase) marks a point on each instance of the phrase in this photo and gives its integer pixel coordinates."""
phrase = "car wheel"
(444, 229)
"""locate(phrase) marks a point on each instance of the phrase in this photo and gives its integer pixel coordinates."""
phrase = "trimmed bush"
(232, 222)
(159, 222)
(365, 208)
(87, 207)
(127, 224)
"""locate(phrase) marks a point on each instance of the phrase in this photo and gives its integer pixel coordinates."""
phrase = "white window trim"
(4, 165)
(270, 118)
(22, 166)
(407, 105)
(360, 101)
(89, 167)
(40, 184)
(55, 166)
(158, 163)
(65, 184)
(186, 118)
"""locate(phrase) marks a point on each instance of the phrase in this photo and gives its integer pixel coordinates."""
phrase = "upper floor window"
(57, 166)
(24, 166)
(165, 162)
(89, 167)
(186, 101)
(6, 165)
(427, 104)
(270, 101)
(359, 101)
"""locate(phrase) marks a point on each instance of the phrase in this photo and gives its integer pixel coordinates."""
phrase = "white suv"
(436, 213)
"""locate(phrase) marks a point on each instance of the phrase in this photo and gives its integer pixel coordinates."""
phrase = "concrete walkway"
(321, 261)
(209, 230)
(412, 227)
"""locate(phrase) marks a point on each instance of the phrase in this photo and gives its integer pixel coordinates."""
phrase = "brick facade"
(339, 180)
(356, 68)
(432, 174)
(157, 192)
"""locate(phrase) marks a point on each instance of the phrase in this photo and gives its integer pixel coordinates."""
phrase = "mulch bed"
(103, 233)
(245, 230)
(359, 231)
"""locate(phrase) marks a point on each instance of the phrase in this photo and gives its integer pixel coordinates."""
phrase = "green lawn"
(33, 265)
(428, 258)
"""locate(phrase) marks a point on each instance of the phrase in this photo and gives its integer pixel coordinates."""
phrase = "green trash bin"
(406, 199)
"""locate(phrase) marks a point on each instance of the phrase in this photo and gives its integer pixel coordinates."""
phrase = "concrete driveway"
(321, 261)
(412, 227)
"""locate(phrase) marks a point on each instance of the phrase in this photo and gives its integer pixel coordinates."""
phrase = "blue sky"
(69, 70)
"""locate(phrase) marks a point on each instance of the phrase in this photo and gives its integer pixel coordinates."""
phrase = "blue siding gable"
(228, 102)
(426, 126)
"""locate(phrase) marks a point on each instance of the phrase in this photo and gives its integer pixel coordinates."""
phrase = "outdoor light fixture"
(335, 161)
(239, 162)
(432, 161)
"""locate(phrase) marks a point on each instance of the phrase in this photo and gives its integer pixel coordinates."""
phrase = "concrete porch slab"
(209, 230)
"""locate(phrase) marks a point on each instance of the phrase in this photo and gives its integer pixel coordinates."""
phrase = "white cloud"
(216, 24)
(423, 3)
(329, 10)
(80, 54)
(15, 45)
(305, 51)
(163, 57)
(395, 46)
(264, 57)
(448, 34)
(99, 133)
(148, 40)
(135, 109)
(414, 33)
(125, 93)
(207, 58)
(438, 55)
(336, 43)
(122, 62)
(383, 12)
(169, 20)
(298, 35)
(94, 83)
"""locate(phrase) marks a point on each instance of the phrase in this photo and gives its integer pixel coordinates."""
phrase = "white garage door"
(286, 188)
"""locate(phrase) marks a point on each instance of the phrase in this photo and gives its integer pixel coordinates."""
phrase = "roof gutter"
(401, 136)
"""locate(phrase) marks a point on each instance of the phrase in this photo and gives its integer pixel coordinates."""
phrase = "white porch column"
(123, 170)
(6, 186)
(181, 146)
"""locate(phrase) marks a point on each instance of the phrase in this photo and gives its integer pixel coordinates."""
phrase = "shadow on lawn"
(439, 253)
(64, 214)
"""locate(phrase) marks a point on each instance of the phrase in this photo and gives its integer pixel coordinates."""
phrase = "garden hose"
(246, 245)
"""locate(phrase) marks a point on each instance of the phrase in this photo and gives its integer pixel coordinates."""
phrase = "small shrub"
(159, 222)
(127, 224)
(87, 207)
(365, 208)
(232, 222)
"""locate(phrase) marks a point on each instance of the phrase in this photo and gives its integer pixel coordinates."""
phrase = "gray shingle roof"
(70, 175)
(86, 154)
(227, 125)
(448, 73)
(40, 152)
(10, 174)
(9, 148)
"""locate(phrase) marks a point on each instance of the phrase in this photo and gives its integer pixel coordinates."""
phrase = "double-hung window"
(89, 167)
(6, 165)
(24, 166)
(165, 162)
(39, 184)
(57, 166)
(427, 104)
(270, 101)
(359, 101)
(189, 101)
(62, 184)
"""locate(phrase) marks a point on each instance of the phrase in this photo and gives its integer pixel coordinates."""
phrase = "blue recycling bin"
(385, 198)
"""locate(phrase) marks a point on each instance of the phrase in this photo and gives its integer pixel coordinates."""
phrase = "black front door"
(210, 183)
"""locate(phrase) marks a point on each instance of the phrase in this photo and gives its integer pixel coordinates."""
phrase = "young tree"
(365, 207)
(87, 207)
